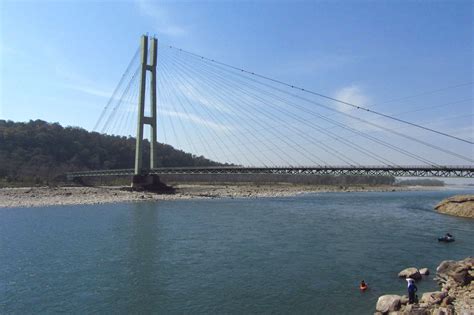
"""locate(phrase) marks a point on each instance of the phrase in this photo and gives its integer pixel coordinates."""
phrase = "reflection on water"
(280, 255)
(142, 258)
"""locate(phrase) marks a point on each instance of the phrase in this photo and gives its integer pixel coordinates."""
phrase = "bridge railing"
(374, 170)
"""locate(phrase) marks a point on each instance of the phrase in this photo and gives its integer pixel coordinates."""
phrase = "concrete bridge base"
(150, 183)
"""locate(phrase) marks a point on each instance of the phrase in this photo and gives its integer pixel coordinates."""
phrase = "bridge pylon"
(142, 179)
(148, 67)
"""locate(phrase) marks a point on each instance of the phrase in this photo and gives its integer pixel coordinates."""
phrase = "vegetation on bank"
(421, 182)
(40, 153)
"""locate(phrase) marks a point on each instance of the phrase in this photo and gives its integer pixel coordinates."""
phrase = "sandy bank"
(47, 196)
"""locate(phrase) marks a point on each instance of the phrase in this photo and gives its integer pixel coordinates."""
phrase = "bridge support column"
(141, 179)
(150, 182)
(142, 119)
(153, 131)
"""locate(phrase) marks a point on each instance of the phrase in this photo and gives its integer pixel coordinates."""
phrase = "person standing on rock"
(411, 290)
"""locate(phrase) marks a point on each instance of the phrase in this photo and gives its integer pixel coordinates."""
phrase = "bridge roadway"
(398, 171)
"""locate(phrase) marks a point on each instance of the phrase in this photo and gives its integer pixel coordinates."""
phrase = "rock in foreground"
(456, 295)
(461, 272)
(388, 303)
(461, 206)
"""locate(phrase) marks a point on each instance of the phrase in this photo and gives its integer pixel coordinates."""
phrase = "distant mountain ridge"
(38, 152)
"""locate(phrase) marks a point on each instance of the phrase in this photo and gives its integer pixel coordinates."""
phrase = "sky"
(61, 60)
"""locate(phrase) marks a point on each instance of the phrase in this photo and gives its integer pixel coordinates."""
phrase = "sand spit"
(50, 196)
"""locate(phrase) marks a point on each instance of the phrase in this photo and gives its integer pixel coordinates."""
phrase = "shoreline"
(454, 295)
(26, 197)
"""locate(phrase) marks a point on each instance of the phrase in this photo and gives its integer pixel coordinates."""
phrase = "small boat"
(446, 239)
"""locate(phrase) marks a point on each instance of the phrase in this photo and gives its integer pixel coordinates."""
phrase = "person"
(411, 290)
(363, 285)
(448, 236)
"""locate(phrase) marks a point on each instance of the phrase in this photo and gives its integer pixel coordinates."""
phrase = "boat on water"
(446, 239)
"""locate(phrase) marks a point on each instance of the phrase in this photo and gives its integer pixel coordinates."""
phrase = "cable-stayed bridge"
(248, 123)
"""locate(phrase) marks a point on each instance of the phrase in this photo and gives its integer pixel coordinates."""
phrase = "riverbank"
(456, 295)
(49, 196)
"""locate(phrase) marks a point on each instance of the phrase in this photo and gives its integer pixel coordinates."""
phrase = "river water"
(302, 254)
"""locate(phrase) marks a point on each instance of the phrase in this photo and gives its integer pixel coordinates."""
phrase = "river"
(302, 254)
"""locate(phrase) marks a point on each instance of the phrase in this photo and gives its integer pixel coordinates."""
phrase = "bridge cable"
(370, 153)
(302, 134)
(435, 106)
(241, 101)
(119, 102)
(110, 124)
(306, 122)
(287, 143)
(417, 110)
(190, 144)
(353, 117)
(118, 123)
(323, 96)
(270, 160)
(112, 98)
(186, 83)
(206, 123)
(359, 149)
(180, 98)
(424, 93)
(132, 115)
(161, 128)
(312, 126)
(165, 97)
(210, 113)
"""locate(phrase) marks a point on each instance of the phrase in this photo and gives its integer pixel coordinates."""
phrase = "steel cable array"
(235, 116)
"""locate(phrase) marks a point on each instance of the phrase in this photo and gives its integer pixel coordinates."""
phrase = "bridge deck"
(398, 171)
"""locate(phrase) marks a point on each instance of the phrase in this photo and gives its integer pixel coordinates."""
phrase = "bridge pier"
(151, 119)
(150, 182)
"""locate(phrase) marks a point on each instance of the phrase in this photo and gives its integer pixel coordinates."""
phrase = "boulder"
(469, 261)
(388, 303)
(433, 297)
(447, 300)
(411, 272)
(458, 271)
(424, 271)
(442, 311)
(445, 266)
(462, 206)
(404, 300)
(414, 309)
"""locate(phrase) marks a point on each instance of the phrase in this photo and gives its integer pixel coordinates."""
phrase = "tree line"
(38, 152)
(41, 153)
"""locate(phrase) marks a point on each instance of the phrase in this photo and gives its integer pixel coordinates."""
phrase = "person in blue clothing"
(411, 290)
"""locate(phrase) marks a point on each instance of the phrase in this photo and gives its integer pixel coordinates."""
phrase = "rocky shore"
(461, 206)
(456, 294)
(48, 196)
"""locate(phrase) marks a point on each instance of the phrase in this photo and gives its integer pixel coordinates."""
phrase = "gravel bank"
(49, 196)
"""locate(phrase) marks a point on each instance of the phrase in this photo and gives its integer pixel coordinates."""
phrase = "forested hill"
(39, 152)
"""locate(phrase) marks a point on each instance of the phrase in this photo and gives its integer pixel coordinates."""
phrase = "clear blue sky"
(60, 60)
